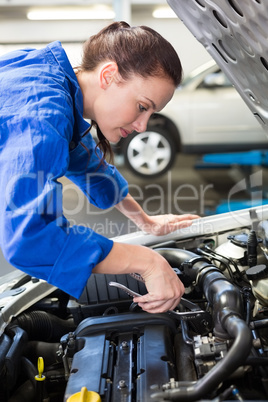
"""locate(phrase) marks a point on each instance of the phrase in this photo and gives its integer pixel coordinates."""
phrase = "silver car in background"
(205, 115)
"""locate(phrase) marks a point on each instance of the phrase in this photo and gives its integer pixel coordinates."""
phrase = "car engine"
(212, 347)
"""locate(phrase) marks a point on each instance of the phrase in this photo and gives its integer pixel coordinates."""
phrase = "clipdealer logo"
(253, 186)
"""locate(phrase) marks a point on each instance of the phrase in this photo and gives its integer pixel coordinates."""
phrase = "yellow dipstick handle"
(40, 367)
(84, 396)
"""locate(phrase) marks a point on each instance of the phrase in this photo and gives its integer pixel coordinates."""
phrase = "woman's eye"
(142, 108)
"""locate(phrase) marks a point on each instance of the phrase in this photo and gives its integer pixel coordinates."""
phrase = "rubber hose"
(236, 356)
(43, 326)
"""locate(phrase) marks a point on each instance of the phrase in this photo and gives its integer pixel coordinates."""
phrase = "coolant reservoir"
(236, 249)
(258, 278)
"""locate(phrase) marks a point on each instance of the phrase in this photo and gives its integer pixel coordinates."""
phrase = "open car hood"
(235, 34)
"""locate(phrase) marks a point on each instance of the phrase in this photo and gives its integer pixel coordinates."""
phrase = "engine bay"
(213, 347)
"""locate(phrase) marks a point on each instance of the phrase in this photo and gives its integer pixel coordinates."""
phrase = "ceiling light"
(71, 13)
(164, 12)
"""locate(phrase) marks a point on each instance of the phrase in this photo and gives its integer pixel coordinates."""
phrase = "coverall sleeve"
(101, 182)
(35, 236)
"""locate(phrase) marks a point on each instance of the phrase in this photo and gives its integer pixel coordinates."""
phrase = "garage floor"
(184, 189)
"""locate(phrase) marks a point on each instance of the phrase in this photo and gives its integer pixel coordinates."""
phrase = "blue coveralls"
(41, 110)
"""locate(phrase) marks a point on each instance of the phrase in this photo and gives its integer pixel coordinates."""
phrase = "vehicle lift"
(242, 168)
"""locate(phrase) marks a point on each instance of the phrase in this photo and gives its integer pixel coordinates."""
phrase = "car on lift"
(205, 115)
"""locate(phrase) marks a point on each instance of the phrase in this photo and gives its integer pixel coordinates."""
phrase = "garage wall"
(14, 34)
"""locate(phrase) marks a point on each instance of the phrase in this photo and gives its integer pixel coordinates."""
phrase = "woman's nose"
(140, 124)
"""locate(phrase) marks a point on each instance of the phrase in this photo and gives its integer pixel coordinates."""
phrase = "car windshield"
(197, 72)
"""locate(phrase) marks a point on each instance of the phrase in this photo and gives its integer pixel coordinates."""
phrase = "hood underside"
(235, 34)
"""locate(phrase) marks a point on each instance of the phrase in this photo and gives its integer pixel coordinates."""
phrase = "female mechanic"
(126, 74)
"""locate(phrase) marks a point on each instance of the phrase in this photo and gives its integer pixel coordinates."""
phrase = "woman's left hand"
(160, 225)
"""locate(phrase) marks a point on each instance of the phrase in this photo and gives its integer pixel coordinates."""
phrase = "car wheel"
(149, 154)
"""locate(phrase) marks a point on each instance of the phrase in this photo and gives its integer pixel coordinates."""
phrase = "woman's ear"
(107, 74)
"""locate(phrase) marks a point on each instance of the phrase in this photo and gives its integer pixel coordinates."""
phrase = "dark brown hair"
(137, 51)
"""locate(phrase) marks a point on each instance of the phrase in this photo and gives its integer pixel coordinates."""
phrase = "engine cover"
(122, 357)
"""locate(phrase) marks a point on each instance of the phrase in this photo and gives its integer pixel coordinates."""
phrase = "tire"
(149, 154)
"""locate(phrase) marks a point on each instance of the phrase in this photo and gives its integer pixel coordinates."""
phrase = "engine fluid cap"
(240, 239)
(257, 272)
(84, 396)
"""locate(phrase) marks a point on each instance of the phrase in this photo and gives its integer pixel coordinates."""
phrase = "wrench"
(187, 315)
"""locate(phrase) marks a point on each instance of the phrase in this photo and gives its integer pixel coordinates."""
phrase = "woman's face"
(122, 107)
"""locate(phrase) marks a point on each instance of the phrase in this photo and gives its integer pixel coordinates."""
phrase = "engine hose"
(5, 344)
(43, 326)
(219, 291)
(177, 257)
(25, 393)
(221, 295)
(227, 305)
(235, 357)
(184, 360)
(30, 370)
(47, 350)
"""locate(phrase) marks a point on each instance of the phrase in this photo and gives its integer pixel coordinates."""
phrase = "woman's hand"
(160, 225)
(157, 225)
(164, 288)
(163, 285)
